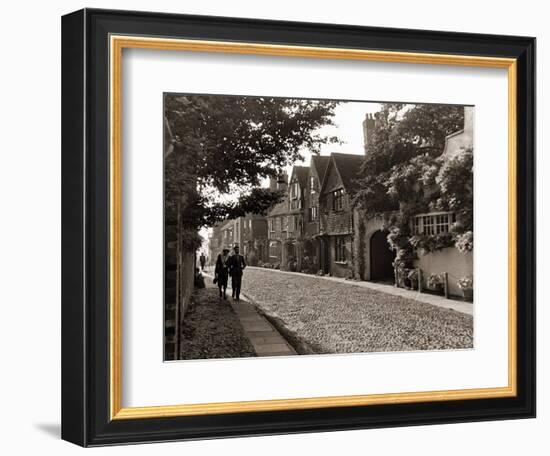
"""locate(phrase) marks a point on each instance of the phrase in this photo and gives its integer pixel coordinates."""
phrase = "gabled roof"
(319, 163)
(301, 173)
(347, 166)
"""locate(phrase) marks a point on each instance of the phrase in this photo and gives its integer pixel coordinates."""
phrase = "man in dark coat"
(236, 268)
(221, 272)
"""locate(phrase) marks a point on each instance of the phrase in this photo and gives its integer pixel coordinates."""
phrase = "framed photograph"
(269, 227)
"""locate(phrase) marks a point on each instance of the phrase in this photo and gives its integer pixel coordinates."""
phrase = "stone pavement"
(439, 301)
(265, 339)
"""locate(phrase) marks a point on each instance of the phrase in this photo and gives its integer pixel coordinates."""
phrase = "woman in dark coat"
(221, 272)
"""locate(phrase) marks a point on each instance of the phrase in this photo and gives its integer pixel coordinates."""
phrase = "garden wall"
(448, 260)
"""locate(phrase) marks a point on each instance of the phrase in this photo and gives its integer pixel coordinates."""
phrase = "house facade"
(336, 231)
(277, 224)
(312, 240)
(448, 260)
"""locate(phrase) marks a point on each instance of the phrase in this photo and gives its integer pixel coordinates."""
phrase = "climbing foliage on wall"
(405, 174)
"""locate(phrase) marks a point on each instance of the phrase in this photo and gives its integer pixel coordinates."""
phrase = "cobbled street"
(323, 316)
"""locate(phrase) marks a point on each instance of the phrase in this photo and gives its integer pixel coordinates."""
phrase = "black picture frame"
(85, 224)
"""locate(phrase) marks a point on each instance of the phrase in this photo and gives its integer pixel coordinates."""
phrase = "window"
(340, 248)
(271, 226)
(292, 223)
(432, 224)
(338, 200)
(285, 224)
(313, 185)
(294, 190)
(313, 213)
(274, 249)
(278, 224)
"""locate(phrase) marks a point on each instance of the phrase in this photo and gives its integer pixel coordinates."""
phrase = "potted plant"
(466, 284)
(435, 283)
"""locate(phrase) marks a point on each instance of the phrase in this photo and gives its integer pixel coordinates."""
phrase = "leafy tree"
(401, 134)
(220, 146)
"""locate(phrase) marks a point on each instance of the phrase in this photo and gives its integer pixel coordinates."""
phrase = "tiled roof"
(320, 163)
(348, 166)
(301, 172)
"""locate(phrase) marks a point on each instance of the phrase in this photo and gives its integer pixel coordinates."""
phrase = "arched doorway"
(381, 258)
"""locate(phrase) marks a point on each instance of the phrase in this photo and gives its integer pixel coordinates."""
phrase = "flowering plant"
(465, 283)
(435, 281)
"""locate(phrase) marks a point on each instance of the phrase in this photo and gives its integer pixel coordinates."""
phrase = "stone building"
(336, 215)
(292, 245)
(312, 240)
(448, 260)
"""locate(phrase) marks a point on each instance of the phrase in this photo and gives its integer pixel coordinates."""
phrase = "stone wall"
(450, 260)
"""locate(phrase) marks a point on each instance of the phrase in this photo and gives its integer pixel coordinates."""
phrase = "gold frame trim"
(117, 44)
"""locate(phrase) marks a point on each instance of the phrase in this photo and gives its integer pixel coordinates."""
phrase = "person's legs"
(238, 287)
(233, 286)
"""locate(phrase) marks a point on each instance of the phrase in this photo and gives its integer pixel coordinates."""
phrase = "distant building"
(277, 222)
(254, 238)
(215, 243)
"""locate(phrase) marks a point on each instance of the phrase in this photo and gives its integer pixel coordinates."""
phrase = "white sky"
(348, 119)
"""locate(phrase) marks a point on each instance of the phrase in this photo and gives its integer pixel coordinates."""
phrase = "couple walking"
(229, 265)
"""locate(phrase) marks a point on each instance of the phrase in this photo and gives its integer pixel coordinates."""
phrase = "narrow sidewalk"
(439, 301)
(265, 339)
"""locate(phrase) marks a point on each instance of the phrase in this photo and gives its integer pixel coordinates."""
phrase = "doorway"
(381, 258)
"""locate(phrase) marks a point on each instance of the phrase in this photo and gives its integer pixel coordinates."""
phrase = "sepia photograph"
(316, 227)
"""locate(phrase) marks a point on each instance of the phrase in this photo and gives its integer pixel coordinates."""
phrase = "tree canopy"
(402, 135)
(220, 146)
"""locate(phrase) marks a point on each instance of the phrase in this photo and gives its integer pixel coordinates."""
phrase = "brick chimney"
(368, 128)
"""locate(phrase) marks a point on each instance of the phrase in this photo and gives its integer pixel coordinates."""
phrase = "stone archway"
(381, 258)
